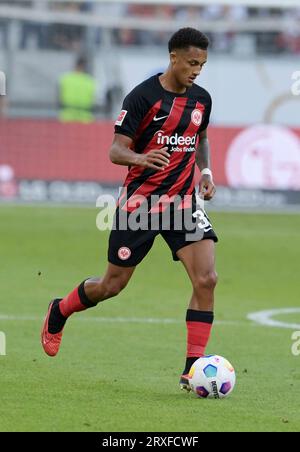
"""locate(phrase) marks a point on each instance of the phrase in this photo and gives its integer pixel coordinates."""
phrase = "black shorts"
(127, 247)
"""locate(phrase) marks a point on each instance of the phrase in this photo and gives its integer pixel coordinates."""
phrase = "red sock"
(199, 324)
(76, 301)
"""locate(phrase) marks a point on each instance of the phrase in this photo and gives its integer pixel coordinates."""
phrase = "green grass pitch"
(123, 375)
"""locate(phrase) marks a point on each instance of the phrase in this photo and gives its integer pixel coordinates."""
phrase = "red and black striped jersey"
(155, 118)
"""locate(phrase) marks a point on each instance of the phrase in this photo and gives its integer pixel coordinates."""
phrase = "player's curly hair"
(186, 37)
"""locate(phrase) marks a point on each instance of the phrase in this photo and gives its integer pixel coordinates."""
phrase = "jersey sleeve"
(133, 111)
(208, 107)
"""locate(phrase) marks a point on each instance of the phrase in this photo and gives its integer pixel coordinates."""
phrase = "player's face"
(187, 64)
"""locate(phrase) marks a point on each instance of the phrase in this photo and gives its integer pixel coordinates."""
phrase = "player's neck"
(169, 83)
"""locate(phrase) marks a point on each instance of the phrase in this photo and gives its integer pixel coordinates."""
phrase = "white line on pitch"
(119, 320)
(265, 318)
(260, 318)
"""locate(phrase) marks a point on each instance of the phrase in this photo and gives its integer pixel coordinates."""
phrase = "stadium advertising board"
(48, 161)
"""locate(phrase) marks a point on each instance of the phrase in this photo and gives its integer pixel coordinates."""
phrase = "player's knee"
(207, 281)
(113, 289)
(114, 286)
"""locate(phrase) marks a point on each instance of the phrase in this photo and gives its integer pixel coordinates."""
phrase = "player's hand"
(157, 159)
(207, 188)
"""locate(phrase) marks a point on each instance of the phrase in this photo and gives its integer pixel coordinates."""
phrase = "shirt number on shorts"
(203, 222)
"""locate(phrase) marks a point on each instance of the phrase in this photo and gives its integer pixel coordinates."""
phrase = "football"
(212, 377)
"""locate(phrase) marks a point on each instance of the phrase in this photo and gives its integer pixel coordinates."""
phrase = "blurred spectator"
(126, 37)
(230, 40)
(72, 37)
(67, 36)
(86, 6)
(289, 40)
(34, 31)
(134, 9)
(188, 14)
(237, 13)
(116, 10)
(167, 13)
(220, 42)
(213, 12)
(77, 94)
(3, 33)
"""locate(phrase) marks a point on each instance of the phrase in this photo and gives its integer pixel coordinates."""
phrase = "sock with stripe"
(199, 324)
(76, 301)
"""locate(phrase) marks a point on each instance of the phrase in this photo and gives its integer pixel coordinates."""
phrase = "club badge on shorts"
(124, 253)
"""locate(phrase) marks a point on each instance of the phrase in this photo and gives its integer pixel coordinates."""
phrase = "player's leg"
(199, 260)
(87, 295)
(94, 290)
(126, 250)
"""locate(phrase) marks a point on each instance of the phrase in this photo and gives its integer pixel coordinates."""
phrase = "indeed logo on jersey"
(179, 142)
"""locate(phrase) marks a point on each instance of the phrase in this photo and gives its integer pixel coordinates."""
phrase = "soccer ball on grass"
(212, 377)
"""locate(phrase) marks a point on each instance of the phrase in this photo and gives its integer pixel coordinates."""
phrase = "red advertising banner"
(260, 156)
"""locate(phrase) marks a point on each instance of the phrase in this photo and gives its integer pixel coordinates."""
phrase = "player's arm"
(206, 186)
(121, 153)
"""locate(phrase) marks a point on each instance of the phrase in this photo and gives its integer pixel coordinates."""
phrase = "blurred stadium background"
(253, 76)
(119, 366)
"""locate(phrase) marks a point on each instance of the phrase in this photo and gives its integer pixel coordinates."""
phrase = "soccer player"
(160, 134)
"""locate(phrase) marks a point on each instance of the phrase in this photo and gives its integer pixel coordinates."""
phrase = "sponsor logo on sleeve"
(121, 118)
